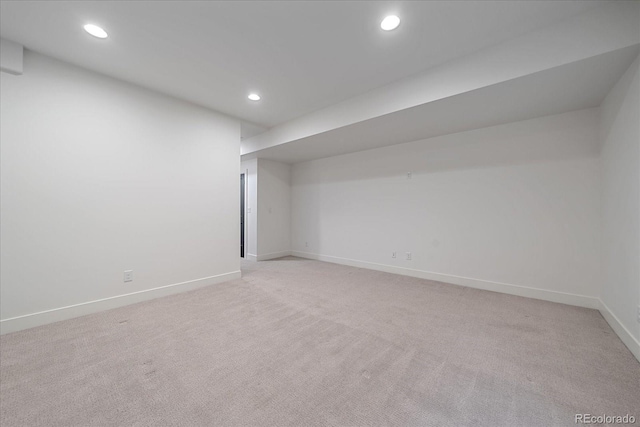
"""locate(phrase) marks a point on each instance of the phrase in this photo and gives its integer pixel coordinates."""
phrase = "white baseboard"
(273, 255)
(264, 257)
(506, 288)
(63, 313)
(625, 335)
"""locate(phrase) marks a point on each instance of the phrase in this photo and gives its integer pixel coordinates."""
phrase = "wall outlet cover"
(128, 276)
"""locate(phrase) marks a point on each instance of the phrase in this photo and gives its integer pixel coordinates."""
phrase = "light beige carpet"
(305, 343)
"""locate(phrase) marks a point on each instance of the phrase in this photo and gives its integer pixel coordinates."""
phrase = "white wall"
(11, 57)
(99, 176)
(620, 133)
(274, 209)
(513, 208)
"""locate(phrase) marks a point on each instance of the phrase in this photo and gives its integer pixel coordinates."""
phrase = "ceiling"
(578, 85)
(300, 56)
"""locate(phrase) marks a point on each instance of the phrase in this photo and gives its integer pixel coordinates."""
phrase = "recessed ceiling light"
(254, 97)
(389, 23)
(95, 31)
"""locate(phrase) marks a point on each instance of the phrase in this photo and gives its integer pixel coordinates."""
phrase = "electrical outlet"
(408, 256)
(306, 244)
(638, 314)
(393, 254)
(128, 276)
(408, 175)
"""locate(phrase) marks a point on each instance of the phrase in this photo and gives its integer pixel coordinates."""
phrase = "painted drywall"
(620, 136)
(274, 209)
(11, 57)
(513, 208)
(250, 168)
(594, 32)
(98, 177)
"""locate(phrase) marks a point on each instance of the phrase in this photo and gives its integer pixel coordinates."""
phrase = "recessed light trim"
(254, 97)
(390, 22)
(96, 31)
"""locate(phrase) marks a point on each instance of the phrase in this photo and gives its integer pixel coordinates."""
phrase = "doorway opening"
(241, 215)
